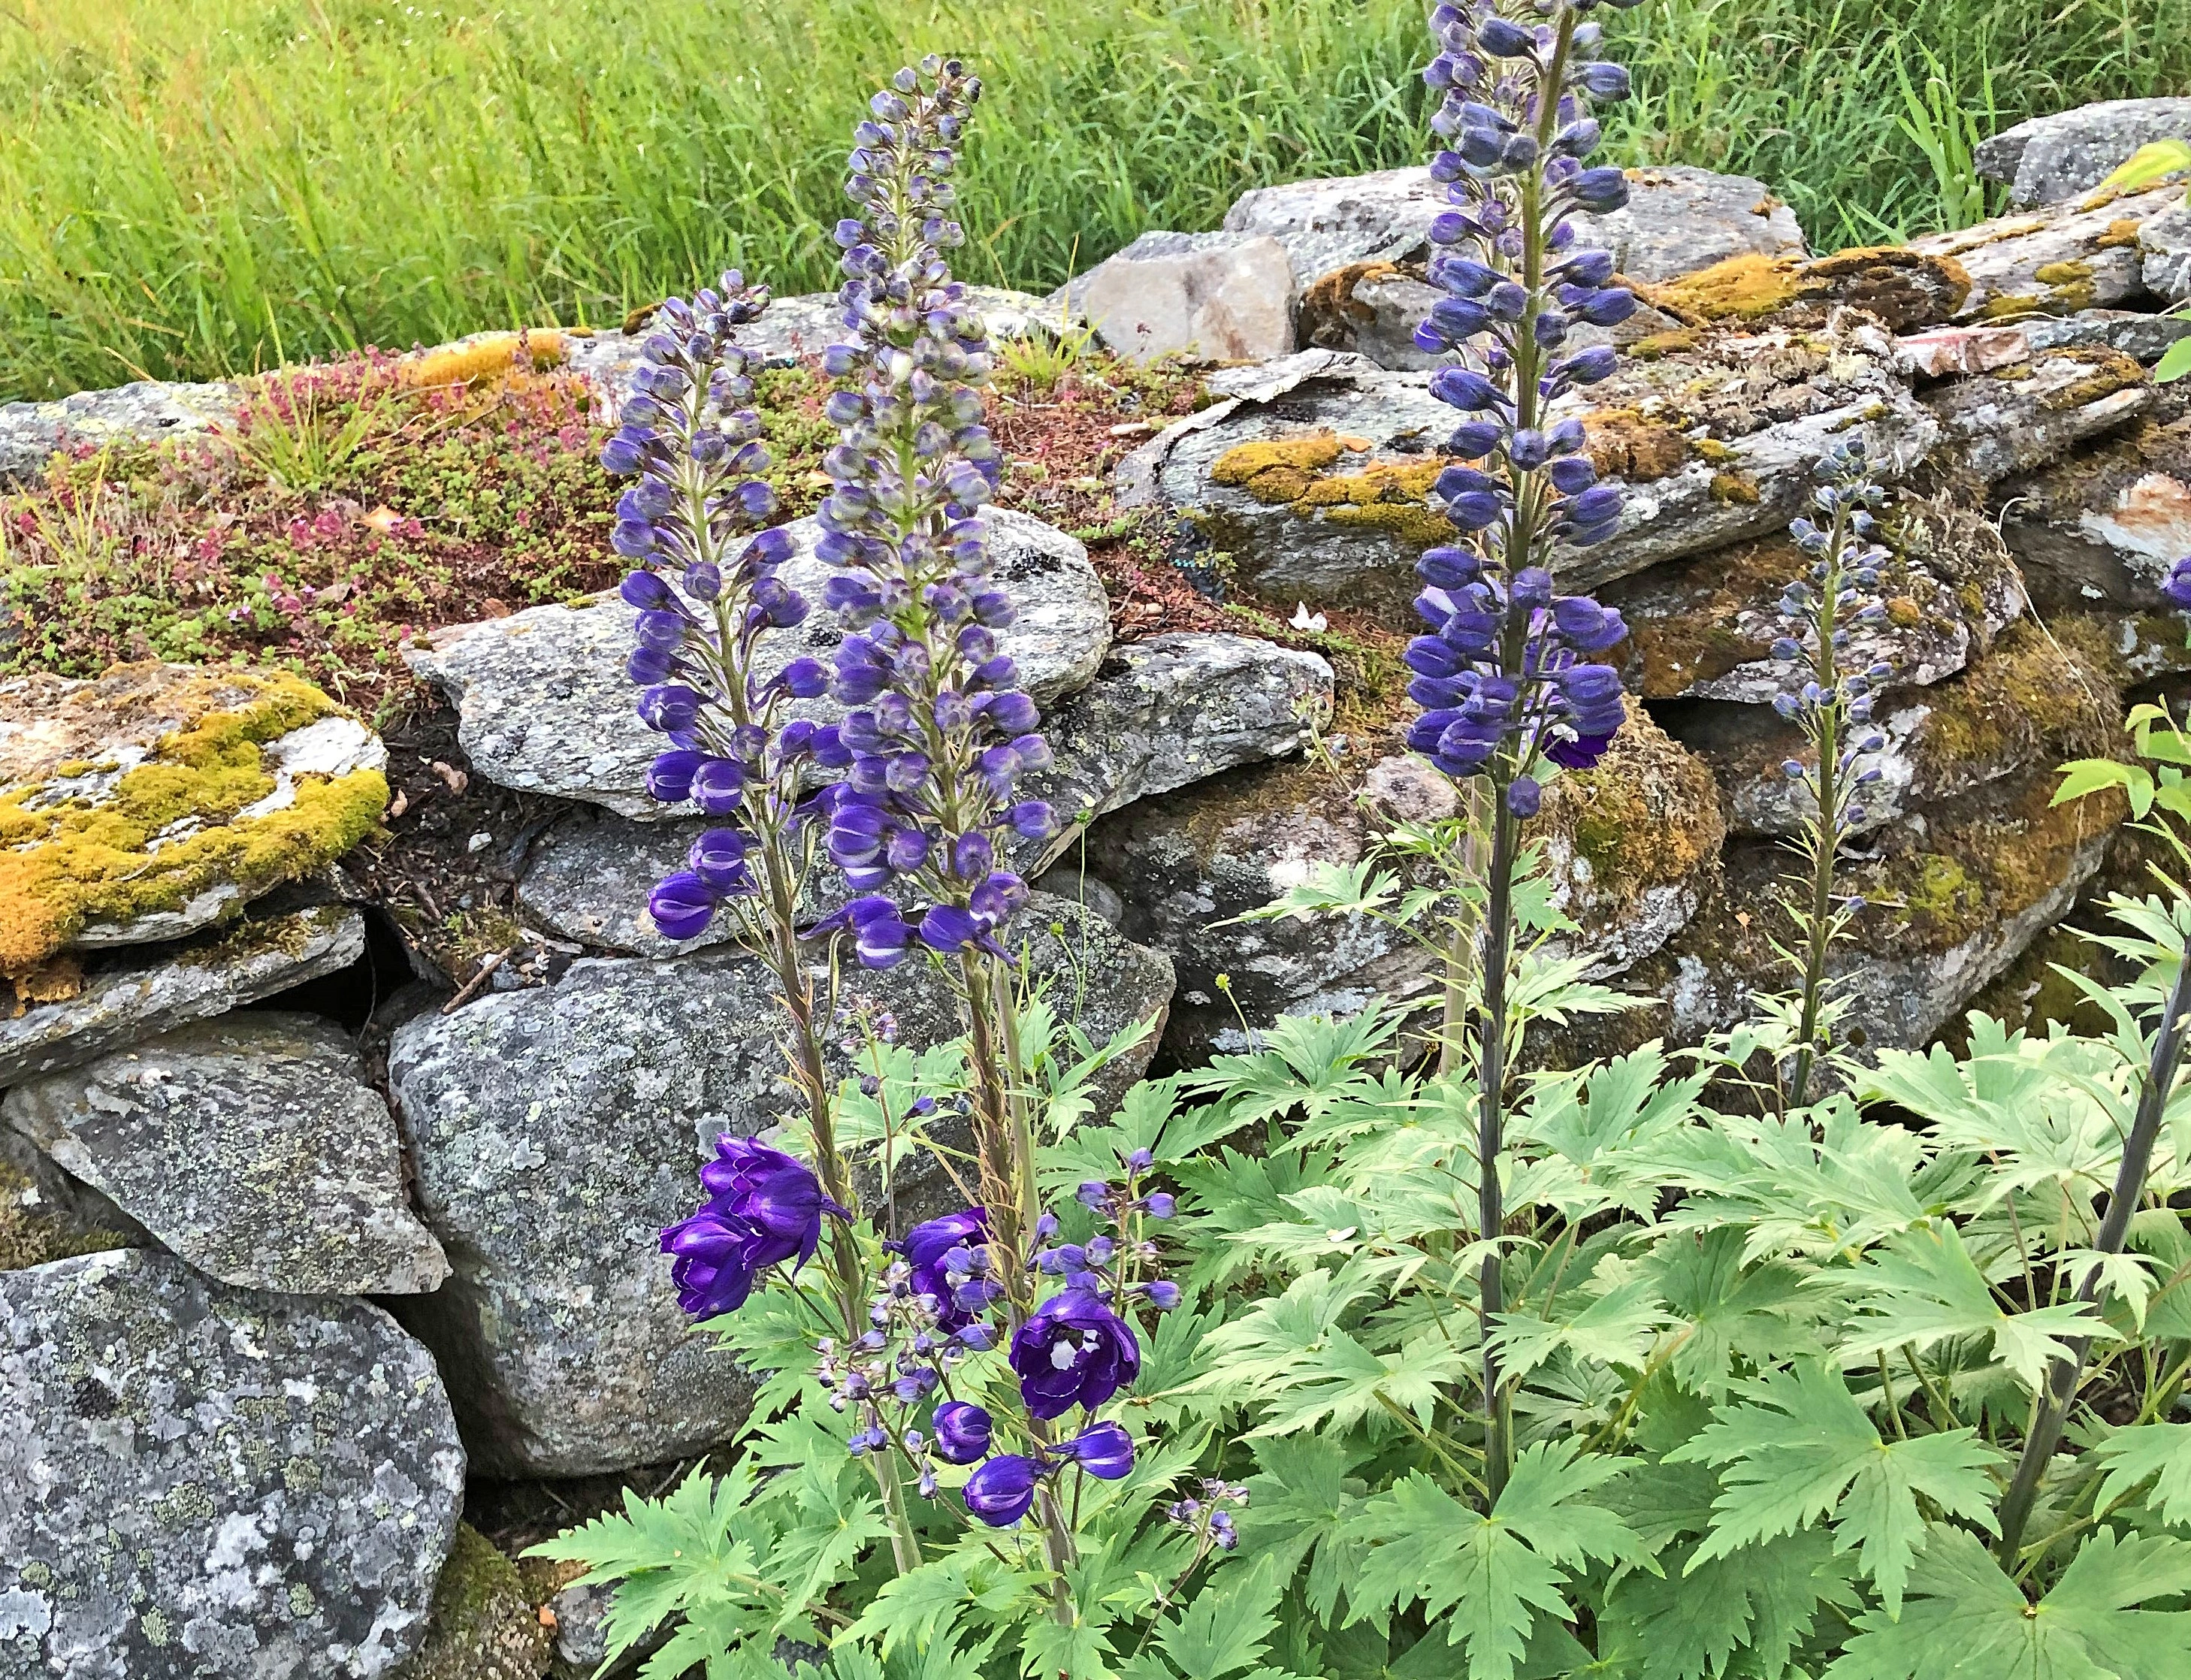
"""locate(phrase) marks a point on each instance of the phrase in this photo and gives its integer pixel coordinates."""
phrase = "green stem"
(1490, 1127)
(1825, 835)
(2064, 1377)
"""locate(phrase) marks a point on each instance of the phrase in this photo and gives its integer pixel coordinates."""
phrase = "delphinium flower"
(938, 731)
(764, 1208)
(1209, 1518)
(2178, 589)
(1506, 676)
(1832, 704)
(706, 592)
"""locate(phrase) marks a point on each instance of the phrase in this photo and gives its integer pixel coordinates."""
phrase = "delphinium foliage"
(1324, 1360)
(1835, 602)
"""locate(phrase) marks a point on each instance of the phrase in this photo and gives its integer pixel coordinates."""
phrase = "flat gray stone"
(2100, 531)
(805, 324)
(1319, 494)
(1162, 713)
(214, 1482)
(2043, 160)
(556, 1131)
(1677, 220)
(1214, 297)
(31, 433)
(2164, 243)
(2057, 260)
(2025, 417)
(250, 1146)
(136, 995)
(543, 705)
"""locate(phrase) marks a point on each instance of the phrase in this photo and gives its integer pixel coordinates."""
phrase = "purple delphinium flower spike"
(938, 732)
(706, 592)
(1509, 672)
(763, 1208)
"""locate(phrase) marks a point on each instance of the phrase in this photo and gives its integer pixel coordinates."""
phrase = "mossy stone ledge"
(159, 800)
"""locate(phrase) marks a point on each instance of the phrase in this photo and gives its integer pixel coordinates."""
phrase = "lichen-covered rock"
(2165, 245)
(1317, 492)
(2043, 160)
(250, 1146)
(212, 1481)
(1162, 713)
(2036, 697)
(1373, 309)
(160, 799)
(2101, 529)
(2056, 260)
(1990, 345)
(1902, 288)
(543, 705)
(484, 1625)
(120, 997)
(35, 1230)
(2014, 419)
(1677, 218)
(556, 1131)
(1217, 297)
(31, 433)
(1629, 847)
(1704, 627)
(1951, 897)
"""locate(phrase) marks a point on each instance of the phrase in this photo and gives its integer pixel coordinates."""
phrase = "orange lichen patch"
(1278, 469)
(486, 356)
(170, 826)
(1732, 487)
(1622, 443)
(52, 982)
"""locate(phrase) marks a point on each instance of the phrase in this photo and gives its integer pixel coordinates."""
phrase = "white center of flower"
(1061, 1356)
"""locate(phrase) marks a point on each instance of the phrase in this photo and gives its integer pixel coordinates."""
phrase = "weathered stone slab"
(128, 997)
(2166, 244)
(1677, 218)
(2035, 698)
(1163, 713)
(2056, 260)
(210, 1481)
(31, 433)
(1318, 493)
(543, 705)
(1214, 296)
(2043, 160)
(556, 1131)
(2101, 530)
(159, 799)
(250, 1146)
(1704, 627)
(804, 324)
(2023, 417)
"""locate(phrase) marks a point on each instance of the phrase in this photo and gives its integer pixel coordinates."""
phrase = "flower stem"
(1491, 1214)
(2065, 1375)
(1826, 823)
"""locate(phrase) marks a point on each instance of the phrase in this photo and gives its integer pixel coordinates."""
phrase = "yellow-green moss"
(2032, 689)
(80, 860)
(2121, 235)
(2112, 372)
(2062, 273)
(29, 1237)
(1904, 613)
(1646, 815)
(1622, 443)
(1747, 287)
(1729, 487)
(484, 1624)
(1278, 469)
(1656, 345)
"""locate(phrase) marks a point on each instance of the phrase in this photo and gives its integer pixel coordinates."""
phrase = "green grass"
(197, 187)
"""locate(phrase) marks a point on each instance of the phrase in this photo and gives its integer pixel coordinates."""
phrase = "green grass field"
(197, 187)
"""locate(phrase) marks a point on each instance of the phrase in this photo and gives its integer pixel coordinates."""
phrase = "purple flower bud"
(1523, 796)
(1163, 1294)
(1160, 1205)
(1466, 389)
(1104, 1450)
(963, 1432)
(1599, 190)
(681, 905)
(669, 777)
(1001, 1490)
(718, 786)
(669, 707)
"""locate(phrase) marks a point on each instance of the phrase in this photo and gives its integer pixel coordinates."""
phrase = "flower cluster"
(695, 447)
(764, 1207)
(1833, 705)
(1209, 1518)
(1506, 676)
(938, 734)
(2178, 589)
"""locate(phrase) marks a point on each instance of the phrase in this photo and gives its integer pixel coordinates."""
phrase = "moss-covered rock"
(33, 1230)
(1905, 289)
(484, 1624)
(161, 798)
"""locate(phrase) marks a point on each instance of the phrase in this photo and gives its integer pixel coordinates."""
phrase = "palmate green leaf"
(1613, 1328)
(1924, 1288)
(1307, 1062)
(1722, 1306)
(1489, 1578)
(1298, 1502)
(838, 1519)
(1966, 1620)
(1081, 1650)
(2159, 1453)
(1758, 1602)
(1801, 1450)
(1228, 1626)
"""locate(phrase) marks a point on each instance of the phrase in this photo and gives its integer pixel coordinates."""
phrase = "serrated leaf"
(1924, 1288)
(1490, 1577)
(1966, 1620)
(1801, 1450)
(1298, 1504)
(1759, 1603)
(2159, 1453)
(1228, 1625)
(1724, 1305)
